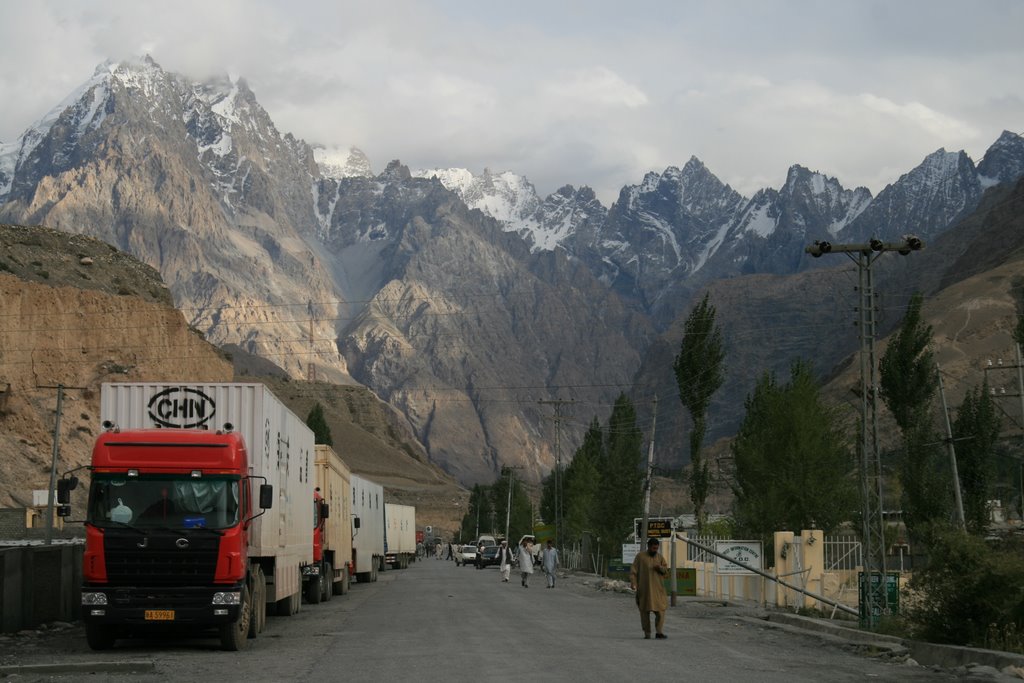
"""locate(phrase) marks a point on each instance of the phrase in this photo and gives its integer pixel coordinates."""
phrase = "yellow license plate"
(159, 615)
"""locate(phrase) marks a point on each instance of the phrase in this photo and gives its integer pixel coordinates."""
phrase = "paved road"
(438, 622)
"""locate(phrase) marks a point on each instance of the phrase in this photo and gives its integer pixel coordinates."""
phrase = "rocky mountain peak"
(924, 201)
(396, 171)
(337, 163)
(1003, 161)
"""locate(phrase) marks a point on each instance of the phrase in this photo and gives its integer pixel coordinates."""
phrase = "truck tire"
(326, 583)
(259, 603)
(235, 635)
(313, 590)
(100, 636)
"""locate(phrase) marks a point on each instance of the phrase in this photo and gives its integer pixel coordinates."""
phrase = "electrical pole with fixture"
(873, 523)
(558, 418)
(55, 456)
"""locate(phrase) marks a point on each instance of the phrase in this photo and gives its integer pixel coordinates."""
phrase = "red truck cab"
(167, 533)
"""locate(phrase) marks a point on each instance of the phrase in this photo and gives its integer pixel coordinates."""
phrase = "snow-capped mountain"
(662, 231)
(261, 236)
(769, 234)
(338, 162)
(922, 202)
(1003, 161)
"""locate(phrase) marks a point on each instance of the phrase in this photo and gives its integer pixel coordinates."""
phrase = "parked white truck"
(367, 528)
(174, 532)
(399, 535)
(330, 572)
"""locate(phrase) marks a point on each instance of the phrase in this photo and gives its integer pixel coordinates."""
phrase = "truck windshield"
(174, 501)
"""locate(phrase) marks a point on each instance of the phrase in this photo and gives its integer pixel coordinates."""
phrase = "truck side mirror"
(355, 522)
(325, 511)
(266, 496)
(64, 489)
(63, 510)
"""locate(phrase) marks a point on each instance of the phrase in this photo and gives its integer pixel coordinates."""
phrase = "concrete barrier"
(39, 584)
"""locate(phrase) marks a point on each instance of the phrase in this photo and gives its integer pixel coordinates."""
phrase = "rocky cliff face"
(77, 313)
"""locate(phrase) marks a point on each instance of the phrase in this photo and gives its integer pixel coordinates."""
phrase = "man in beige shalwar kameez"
(645, 577)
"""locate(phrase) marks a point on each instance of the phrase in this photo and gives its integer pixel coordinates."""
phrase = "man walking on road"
(549, 560)
(504, 560)
(645, 577)
(525, 563)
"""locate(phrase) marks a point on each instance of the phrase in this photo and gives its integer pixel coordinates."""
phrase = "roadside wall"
(39, 584)
(799, 560)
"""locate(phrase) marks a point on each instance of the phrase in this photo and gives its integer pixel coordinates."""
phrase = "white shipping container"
(400, 524)
(280, 448)
(368, 539)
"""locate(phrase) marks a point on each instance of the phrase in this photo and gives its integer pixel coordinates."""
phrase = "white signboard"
(629, 552)
(747, 552)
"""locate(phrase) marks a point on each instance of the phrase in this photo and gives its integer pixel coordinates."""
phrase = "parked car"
(465, 555)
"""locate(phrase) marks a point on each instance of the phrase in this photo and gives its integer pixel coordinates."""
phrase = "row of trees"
(795, 466)
(601, 489)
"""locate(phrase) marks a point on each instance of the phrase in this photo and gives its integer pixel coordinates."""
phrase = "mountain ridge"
(441, 295)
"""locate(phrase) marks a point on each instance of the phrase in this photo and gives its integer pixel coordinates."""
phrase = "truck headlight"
(92, 598)
(232, 598)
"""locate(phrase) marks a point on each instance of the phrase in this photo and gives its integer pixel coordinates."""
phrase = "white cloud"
(915, 113)
(595, 86)
(860, 91)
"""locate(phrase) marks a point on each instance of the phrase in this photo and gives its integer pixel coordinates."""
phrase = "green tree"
(970, 593)
(582, 484)
(520, 521)
(907, 378)
(621, 484)
(794, 469)
(908, 382)
(480, 514)
(318, 423)
(699, 374)
(976, 431)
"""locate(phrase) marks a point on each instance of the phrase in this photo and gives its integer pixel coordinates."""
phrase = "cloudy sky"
(592, 93)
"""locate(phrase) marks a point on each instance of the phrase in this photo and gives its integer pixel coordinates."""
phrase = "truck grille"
(161, 562)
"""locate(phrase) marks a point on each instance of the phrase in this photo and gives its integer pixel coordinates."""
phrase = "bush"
(971, 593)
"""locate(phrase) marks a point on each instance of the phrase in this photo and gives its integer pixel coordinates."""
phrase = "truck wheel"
(234, 636)
(326, 583)
(259, 603)
(313, 590)
(100, 636)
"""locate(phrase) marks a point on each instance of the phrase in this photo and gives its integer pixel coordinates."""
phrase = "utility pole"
(310, 365)
(1001, 393)
(558, 418)
(957, 495)
(55, 456)
(647, 480)
(508, 508)
(873, 523)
